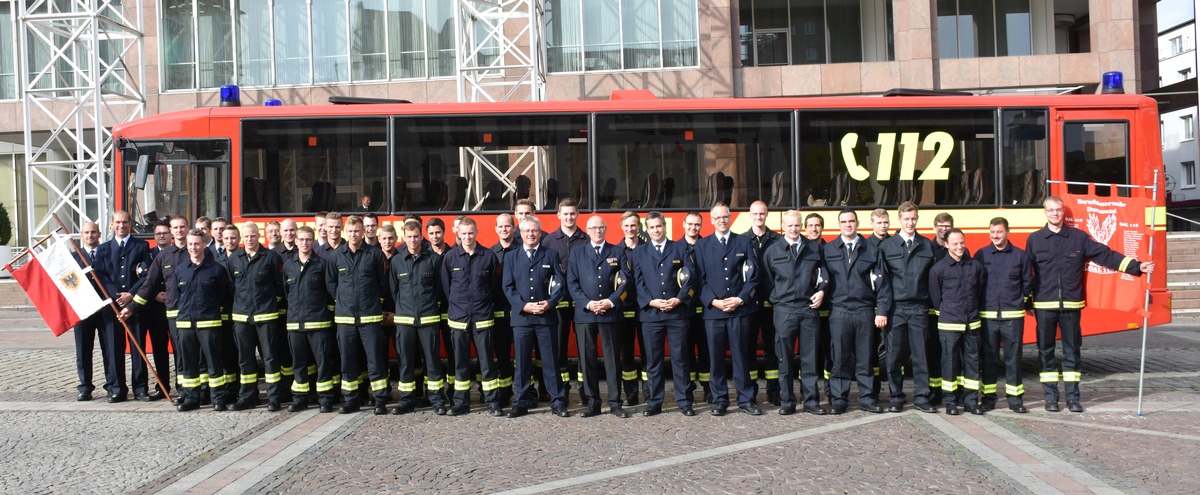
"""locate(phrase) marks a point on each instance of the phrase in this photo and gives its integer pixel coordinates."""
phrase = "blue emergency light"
(272, 103)
(231, 96)
(1112, 83)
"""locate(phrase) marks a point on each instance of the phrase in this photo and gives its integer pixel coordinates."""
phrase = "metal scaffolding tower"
(501, 57)
(82, 73)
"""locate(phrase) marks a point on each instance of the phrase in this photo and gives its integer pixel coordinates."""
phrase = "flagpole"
(8, 266)
(113, 305)
(1146, 304)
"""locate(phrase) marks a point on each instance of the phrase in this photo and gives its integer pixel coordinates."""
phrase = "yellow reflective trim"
(537, 363)
(183, 324)
(497, 314)
(1124, 264)
(692, 377)
(704, 377)
(350, 385)
(952, 327)
(273, 377)
(312, 369)
(506, 381)
(753, 374)
(645, 376)
(490, 385)
(935, 382)
(301, 387)
(249, 379)
(324, 386)
(204, 377)
(1002, 315)
(1074, 304)
(404, 320)
(434, 385)
(970, 384)
(824, 313)
(1072, 376)
(456, 325)
(827, 375)
(975, 325)
(485, 324)
(774, 374)
(286, 370)
(379, 385)
(989, 388)
(633, 375)
(462, 385)
(1056, 305)
(1011, 390)
(630, 314)
(406, 386)
(240, 318)
(216, 382)
(766, 304)
(310, 325)
(189, 382)
(430, 320)
(208, 324)
(1048, 377)
(172, 313)
(579, 377)
(566, 377)
(949, 386)
(138, 299)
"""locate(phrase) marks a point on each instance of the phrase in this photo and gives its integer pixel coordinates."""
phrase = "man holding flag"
(98, 324)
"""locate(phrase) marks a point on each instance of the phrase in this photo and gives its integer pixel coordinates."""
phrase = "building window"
(780, 32)
(1189, 127)
(992, 28)
(8, 52)
(1176, 45)
(1189, 174)
(279, 42)
(584, 35)
(1185, 73)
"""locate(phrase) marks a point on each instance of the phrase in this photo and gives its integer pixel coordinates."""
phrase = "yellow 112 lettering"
(939, 142)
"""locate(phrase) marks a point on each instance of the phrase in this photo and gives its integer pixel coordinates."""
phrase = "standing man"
(879, 233)
(469, 280)
(942, 223)
(311, 335)
(727, 274)
(415, 279)
(365, 205)
(762, 321)
(629, 328)
(218, 232)
(533, 285)
(908, 256)
(596, 280)
(563, 241)
(160, 284)
(319, 219)
(122, 261)
(666, 281)
(1008, 288)
(358, 313)
(955, 283)
(860, 289)
(87, 330)
(333, 235)
(502, 336)
(1059, 254)
(814, 227)
(257, 287)
(154, 319)
(203, 224)
(203, 289)
(794, 278)
(286, 249)
(697, 340)
(371, 229)
(274, 235)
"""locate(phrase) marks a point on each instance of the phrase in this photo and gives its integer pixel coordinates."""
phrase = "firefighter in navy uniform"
(358, 313)
(415, 279)
(629, 329)
(727, 274)
(879, 233)
(907, 257)
(1059, 254)
(814, 226)
(469, 274)
(596, 280)
(955, 285)
(858, 289)
(793, 277)
(121, 262)
(942, 223)
(311, 336)
(762, 321)
(665, 276)
(563, 241)
(533, 285)
(154, 318)
(502, 336)
(203, 289)
(697, 351)
(160, 278)
(1008, 288)
(258, 287)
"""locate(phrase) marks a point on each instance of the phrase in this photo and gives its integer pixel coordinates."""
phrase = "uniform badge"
(747, 270)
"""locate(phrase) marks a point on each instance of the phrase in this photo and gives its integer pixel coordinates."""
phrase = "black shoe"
(205, 398)
(380, 408)
(687, 411)
(976, 410)
(751, 409)
(424, 402)
(141, 396)
(1052, 407)
(630, 401)
(113, 399)
(274, 406)
(459, 410)
(652, 411)
(926, 408)
(177, 401)
(240, 405)
(988, 406)
(189, 405)
(83, 396)
(871, 408)
(220, 406)
(787, 410)
(935, 398)
(838, 409)
(589, 412)
(157, 395)
(495, 411)
(1020, 409)
(619, 412)
(774, 400)
(439, 410)
(516, 412)
(403, 409)
(719, 410)
(1074, 406)
(326, 408)
(348, 408)
(544, 397)
(814, 410)
(895, 408)
(298, 406)
(708, 396)
(560, 411)
(952, 409)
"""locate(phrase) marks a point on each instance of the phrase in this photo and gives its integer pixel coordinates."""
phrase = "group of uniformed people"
(321, 310)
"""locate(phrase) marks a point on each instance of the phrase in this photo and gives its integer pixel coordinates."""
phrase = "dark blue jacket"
(203, 290)
(564, 245)
(469, 281)
(908, 271)
(592, 278)
(1009, 282)
(954, 288)
(790, 280)
(122, 268)
(658, 277)
(860, 284)
(529, 280)
(726, 271)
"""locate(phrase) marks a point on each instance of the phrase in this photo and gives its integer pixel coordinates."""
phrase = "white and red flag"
(58, 286)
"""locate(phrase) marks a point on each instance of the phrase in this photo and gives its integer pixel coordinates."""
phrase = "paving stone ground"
(56, 445)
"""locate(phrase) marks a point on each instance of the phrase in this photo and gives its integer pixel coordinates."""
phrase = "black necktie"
(849, 253)
(220, 251)
(91, 255)
(723, 242)
(121, 245)
(530, 251)
(796, 250)
(908, 245)
(597, 251)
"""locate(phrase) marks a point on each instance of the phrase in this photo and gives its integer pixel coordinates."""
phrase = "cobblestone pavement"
(56, 445)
